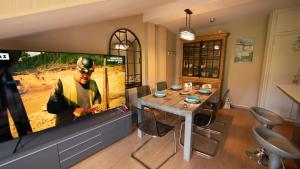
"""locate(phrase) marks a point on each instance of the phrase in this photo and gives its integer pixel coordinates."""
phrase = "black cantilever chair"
(154, 128)
(205, 118)
(197, 84)
(161, 85)
(143, 91)
(210, 106)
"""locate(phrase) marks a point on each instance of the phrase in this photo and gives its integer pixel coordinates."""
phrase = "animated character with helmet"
(75, 96)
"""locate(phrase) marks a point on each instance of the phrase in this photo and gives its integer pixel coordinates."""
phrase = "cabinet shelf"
(203, 59)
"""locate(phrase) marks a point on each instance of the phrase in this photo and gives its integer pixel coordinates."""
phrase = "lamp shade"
(186, 34)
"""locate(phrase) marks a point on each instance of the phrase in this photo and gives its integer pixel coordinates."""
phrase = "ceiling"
(169, 13)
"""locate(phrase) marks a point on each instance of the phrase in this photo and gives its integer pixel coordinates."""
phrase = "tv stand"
(63, 146)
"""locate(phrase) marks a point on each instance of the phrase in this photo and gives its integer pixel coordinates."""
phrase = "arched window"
(123, 42)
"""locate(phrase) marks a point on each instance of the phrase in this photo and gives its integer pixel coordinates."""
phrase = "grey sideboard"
(63, 146)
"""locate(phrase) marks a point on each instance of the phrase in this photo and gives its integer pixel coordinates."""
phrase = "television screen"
(57, 88)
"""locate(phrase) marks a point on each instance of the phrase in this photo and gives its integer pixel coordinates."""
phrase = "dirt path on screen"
(35, 90)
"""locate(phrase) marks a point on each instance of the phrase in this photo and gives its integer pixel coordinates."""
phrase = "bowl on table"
(192, 99)
(160, 93)
(185, 91)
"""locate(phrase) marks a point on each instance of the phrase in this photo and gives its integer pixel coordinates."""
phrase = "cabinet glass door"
(202, 59)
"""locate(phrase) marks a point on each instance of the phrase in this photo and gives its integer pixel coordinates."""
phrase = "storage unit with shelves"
(203, 60)
(62, 147)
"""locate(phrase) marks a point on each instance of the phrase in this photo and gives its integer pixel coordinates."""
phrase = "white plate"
(176, 87)
(184, 93)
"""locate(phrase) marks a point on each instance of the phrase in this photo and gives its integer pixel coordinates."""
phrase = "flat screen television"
(35, 75)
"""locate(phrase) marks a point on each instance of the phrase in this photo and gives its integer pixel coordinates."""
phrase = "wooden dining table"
(174, 102)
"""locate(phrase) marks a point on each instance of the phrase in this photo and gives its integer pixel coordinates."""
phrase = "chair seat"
(276, 143)
(203, 118)
(163, 129)
(156, 129)
(265, 116)
(201, 144)
(209, 105)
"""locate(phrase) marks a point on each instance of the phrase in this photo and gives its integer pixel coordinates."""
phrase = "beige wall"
(171, 58)
(91, 38)
(242, 79)
(161, 53)
(179, 52)
(150, 54)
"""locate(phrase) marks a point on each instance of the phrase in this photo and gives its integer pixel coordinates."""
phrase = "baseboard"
(239, 106)
(292, 121)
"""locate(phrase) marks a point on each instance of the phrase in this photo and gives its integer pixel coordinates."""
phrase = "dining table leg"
(139, 105)
(188, 136)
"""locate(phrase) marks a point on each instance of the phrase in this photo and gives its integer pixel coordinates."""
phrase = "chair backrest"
(148, 124)
(215, 108)
(161, 85)
(127, 103)
(143, 91)
(197, 84)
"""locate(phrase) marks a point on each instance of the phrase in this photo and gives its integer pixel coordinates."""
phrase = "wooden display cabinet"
(203, 60)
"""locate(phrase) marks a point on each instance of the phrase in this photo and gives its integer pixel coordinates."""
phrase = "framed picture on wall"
(244, 50)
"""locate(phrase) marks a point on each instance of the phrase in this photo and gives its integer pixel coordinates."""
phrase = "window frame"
(137, 76)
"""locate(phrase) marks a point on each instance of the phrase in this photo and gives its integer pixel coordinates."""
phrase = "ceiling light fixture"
(187, 33)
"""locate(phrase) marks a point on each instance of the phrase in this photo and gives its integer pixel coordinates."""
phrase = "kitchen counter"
(293, 91)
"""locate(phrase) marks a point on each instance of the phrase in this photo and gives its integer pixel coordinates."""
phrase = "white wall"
(242, 79)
